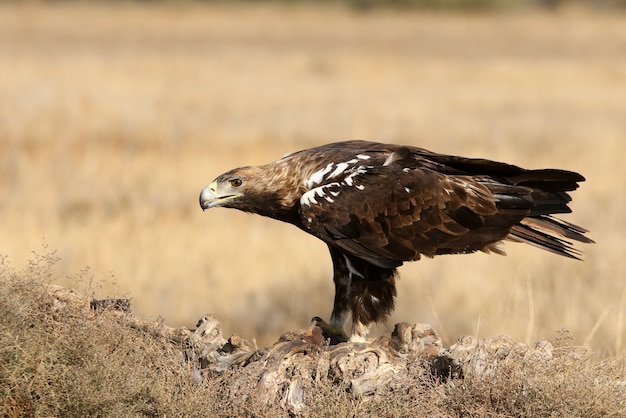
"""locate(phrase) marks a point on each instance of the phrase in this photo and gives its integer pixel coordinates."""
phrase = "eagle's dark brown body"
(377, 205)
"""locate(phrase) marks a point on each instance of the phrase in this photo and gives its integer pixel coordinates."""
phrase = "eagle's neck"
(277, 192)
(279, 185)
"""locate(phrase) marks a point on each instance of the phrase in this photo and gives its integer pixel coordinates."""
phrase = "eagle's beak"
(208, 199)
(210, 196)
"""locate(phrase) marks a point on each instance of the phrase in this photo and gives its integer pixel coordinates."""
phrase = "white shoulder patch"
(341, 167)
(310, 198)
(344, 174)
(318, 176)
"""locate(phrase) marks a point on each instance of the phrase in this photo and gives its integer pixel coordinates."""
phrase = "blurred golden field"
(112, 119)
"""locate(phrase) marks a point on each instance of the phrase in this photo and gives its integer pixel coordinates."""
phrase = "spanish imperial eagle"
(378, 205)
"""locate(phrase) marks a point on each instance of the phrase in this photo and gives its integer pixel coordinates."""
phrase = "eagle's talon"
(334, 335)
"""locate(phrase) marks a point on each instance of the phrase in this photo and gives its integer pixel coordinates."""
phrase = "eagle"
(378, 205)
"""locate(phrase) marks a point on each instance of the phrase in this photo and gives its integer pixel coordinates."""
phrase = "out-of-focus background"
(113, 116)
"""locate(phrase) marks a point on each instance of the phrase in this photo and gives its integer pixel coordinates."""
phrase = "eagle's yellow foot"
(336, 335)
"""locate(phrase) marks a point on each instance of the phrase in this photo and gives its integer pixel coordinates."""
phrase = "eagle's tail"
(549, 233)
(540, 228)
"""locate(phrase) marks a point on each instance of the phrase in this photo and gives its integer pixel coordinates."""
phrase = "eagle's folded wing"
(388, 214)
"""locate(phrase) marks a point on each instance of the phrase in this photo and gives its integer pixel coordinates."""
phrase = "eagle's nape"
(378, 205)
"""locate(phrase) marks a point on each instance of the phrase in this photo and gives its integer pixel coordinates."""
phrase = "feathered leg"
(342, 279)
(369, 300)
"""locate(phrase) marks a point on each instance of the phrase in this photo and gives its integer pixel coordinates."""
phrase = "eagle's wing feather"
(390, 213)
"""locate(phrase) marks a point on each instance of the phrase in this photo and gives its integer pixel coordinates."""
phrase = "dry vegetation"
(112, 118)
(60, 358)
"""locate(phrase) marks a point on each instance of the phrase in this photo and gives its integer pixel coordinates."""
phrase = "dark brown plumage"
(378, 205)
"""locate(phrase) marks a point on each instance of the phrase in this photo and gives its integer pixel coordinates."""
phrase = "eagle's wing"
(387, 210)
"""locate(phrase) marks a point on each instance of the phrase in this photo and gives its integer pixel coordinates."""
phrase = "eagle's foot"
(334, 334)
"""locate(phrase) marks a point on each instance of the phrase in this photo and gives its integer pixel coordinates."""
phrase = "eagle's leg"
(341, 305)
(371, 301)
(334, 330)
(366, 290)
(342, 279)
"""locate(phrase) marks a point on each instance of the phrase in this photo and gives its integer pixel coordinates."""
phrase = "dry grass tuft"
(70, 361)
(563, 387)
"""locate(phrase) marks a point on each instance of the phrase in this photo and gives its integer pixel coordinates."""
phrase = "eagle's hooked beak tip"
(207, 197)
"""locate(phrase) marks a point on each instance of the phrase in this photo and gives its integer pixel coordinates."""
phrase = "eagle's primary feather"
(378, 205)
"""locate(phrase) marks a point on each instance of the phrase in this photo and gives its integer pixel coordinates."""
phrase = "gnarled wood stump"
(286, 368)
(285, 371)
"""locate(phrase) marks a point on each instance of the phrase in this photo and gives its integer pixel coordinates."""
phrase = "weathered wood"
(286, 370)
(300, 357)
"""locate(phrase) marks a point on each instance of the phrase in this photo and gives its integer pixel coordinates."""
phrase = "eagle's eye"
(236, 182)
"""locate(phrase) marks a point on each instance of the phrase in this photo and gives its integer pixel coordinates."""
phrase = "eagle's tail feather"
(548, 233)
(549, 179)
(554, 225)
(540, 228)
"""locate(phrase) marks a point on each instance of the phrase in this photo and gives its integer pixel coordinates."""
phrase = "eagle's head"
(232, 189)
(266, 190)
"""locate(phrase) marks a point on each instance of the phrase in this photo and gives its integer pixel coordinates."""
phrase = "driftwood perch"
(306, 354)
(285, 371)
